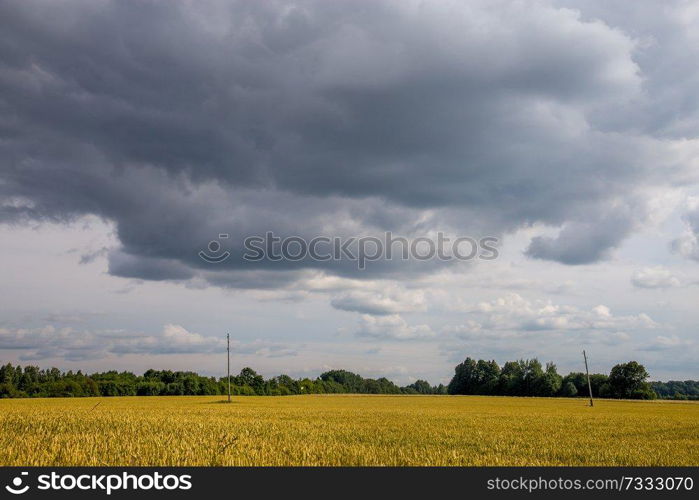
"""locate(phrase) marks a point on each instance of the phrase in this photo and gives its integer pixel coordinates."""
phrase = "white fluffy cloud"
(390, 301)
(392, 327)
(513, 312)
(655, 277)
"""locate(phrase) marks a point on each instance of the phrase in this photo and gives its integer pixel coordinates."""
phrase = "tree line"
(530, 378)
(676, 389)
(31, 381)
(515, 378)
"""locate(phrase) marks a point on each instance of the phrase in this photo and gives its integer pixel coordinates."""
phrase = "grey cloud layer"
(687, 244)
(178, 121)
(70, 344)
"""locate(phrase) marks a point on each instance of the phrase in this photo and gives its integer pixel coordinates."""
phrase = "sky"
(134, 133)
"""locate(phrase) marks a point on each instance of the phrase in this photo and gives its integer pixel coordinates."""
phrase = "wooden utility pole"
(228, 349)
(589, 385)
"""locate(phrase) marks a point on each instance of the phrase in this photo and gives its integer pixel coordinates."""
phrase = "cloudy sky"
(133, 133)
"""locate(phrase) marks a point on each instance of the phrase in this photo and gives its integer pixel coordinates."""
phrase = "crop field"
(346, 430)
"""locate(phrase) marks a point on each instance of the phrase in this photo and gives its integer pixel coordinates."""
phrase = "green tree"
(249, 377)
(511, 379)
(568, 390)
(465, 379)
(487, 377)
(421, 387)
(349, 382)
(628, 380)
(548, 383)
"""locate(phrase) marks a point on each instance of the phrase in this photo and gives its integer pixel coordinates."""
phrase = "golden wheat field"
(346, 430)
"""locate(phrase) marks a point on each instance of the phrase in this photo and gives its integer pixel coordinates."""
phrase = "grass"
(346, 430)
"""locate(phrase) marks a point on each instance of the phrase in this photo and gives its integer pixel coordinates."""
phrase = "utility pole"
(589, 385)
(228, 349)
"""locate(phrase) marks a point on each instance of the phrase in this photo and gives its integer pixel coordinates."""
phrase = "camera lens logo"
(16, 488)
(214, 255)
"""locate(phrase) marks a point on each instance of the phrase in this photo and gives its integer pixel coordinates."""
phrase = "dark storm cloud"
(667, 47)
(586, 242)
(179, 121)
(130, 266)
